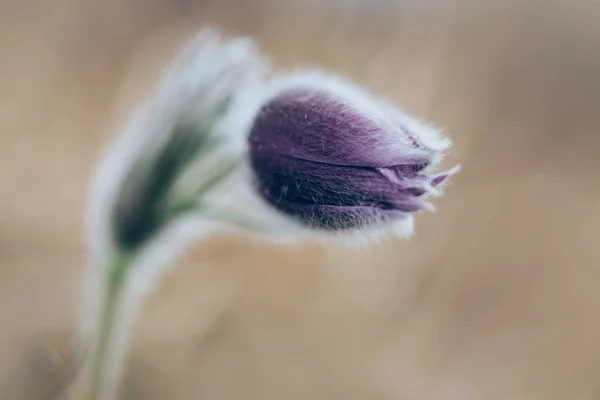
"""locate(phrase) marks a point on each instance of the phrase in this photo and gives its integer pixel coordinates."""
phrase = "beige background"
(496, 297)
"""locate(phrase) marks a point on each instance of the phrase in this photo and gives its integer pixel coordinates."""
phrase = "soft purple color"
(331, 167)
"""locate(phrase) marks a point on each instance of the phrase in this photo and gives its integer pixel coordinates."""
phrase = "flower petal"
(316, 126)
(287, 179)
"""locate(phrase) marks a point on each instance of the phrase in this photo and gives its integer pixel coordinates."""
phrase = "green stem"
(116, 279)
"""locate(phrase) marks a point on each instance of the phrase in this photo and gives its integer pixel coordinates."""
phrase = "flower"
(172, 155)
(143, 182)
(335, 158)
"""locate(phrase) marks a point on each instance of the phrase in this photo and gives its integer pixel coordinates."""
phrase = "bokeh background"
(497, 296)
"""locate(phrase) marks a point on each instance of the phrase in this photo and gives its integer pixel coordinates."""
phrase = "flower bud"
(138, 188)
(333, 157)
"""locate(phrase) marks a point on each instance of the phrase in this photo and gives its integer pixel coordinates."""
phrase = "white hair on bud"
(240, 196)
(358, 101)
(381, 111)
(208, 70)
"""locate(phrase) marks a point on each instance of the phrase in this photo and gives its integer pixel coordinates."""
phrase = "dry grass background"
(496, 297)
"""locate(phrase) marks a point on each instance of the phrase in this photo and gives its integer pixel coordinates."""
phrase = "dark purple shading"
(333, 196)
(323, 164)
(313, 125)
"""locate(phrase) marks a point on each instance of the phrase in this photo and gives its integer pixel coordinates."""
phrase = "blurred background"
(497, 296)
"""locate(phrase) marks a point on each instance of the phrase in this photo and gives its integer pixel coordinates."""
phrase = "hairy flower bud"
(143, 181)
(335, 158)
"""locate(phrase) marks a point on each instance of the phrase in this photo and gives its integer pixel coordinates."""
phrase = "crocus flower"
(335, 158)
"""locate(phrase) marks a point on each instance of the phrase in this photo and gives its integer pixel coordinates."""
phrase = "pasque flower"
(181, 126)
(335, 158)
(172, 154)
(320, 150)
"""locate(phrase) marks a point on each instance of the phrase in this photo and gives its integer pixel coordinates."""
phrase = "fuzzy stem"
(117, 276)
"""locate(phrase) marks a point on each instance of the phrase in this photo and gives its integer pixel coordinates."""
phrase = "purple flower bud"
(334, 158)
